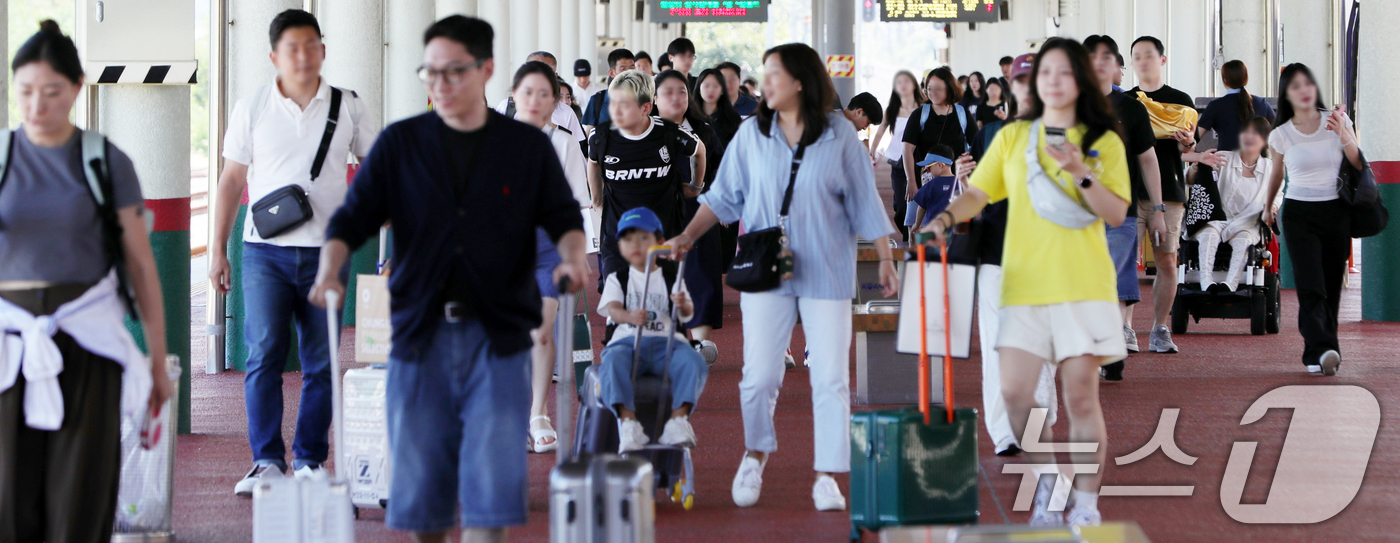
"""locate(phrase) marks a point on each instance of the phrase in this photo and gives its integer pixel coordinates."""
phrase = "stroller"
(1256, 299)
(596, 429)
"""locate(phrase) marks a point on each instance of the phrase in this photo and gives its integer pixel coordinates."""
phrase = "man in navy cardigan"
(465, 189)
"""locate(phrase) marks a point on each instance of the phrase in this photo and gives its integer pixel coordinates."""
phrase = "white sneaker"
(708, 351)
(806, 357)
(788, 361)
(1314, 368)
(244, 488)
(1083, 516)
(1160, 341)
(1130, 338)
(1330, 361)
(748, 482)
(827, 495)
(678, 433)
(631, 436)
(1041, 515)
(307, 472)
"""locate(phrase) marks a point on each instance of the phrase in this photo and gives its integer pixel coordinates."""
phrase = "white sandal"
(538, 436)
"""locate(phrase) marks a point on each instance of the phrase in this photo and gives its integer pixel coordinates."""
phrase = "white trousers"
(988, 325)
(768, 323)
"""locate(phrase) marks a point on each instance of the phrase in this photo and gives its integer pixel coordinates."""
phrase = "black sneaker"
(1112, 372)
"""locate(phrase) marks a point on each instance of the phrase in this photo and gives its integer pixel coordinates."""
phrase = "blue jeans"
(458, 419)
(687, 369)
(1122, 248)
(276, 281)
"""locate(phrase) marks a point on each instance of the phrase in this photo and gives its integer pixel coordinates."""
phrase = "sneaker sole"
(1330, 364)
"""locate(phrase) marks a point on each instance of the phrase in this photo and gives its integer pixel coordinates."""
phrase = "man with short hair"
(1149, 57)
(465, 189)
(744, 105)
(619, 60)
(1006, 93)
(682, 52)
(1146, 178)
(663, 62)
(584, 87)
(643, 63)
(274, 139)
(563, 115)
(864, 110)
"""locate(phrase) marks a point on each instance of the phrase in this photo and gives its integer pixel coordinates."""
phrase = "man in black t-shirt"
(1143, 171)
(636, 160)
(1148, 60)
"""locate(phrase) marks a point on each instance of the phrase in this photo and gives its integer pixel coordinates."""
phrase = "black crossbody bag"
(764, 261)
(289, 207)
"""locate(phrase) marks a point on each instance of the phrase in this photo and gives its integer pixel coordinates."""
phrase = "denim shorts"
(458, 415)
(546, 259)
(1123, 249)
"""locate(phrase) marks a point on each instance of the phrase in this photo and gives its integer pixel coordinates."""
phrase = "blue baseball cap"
(640, 218)
(931, 158)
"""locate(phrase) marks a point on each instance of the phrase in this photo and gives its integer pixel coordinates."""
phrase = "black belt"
(44, 301)
(455, 312)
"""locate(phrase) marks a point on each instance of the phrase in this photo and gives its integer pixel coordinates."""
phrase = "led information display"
(943, 11)
(709, 11)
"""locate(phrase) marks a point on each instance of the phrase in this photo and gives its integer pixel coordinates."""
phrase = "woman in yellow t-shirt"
(1059, 300)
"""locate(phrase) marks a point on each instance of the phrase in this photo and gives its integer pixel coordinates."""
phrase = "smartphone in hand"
(1055, 137)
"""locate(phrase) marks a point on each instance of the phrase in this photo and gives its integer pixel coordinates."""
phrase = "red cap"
(1022, 65)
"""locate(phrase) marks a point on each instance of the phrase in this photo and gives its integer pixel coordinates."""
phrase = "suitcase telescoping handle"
(924, 370)
(564, 395)
(337, 401)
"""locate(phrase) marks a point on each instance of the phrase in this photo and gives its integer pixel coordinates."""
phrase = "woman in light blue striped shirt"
(834, 199)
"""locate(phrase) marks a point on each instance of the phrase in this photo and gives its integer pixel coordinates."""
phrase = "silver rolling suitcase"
(315, 509)
(623, 487)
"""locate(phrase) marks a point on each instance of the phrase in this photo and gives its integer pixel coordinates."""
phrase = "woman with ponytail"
(1229, 114)
(63, 402)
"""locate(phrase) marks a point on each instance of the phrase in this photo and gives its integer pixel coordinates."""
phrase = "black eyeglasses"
(453, 75)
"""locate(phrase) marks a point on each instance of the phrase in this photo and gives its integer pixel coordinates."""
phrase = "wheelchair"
(1257, 298)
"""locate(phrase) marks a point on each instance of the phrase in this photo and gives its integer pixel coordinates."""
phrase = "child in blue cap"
(939, 182)
(638, 230)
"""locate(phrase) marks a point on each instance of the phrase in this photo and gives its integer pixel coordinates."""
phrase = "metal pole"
(216, 310)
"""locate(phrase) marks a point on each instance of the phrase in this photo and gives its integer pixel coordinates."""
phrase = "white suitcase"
(314, 509)
(365, 455)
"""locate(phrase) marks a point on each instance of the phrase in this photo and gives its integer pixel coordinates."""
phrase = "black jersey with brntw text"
(644, 171)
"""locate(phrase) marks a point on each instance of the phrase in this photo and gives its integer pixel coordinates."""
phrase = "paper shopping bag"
(372, 329)
(962, 284)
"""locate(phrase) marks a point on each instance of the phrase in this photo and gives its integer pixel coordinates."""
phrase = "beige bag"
(372, 330)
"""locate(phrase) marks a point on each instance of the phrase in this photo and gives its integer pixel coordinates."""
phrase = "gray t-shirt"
(49, 227)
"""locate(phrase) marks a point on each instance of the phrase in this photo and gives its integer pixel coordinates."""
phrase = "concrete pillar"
(354, 31)
(248, 69)
(497, 12)
(569, 26)
(403, 93)
(454, 7)
(549, 31)
(1187, 48)
(635, 28)
(151, 123)
(837, 37)
(1309, 31)
(524, 35)
(1244, 34)
(588, 33)
(1380, 139)
(614, 29)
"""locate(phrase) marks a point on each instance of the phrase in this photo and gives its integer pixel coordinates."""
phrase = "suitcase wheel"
(357, 512)
(676, 494)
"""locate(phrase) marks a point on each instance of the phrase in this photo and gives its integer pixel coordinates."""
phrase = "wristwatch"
(1086, 182)
(1160, 207)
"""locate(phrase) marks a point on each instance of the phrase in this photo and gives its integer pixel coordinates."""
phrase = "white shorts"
(1060, 331)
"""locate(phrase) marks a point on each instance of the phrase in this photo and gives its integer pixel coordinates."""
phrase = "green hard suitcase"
(916, 465)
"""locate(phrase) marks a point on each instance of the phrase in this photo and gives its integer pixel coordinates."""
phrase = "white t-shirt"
(582, 95)
(571, 158)
(658, 303)
(1311, 160)
(895, 149)
(563, 116)
(280, 149)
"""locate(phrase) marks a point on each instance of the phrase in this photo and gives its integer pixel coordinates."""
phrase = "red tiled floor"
(1221, 370)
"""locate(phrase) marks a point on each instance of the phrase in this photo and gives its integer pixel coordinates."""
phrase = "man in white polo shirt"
(282, 146)
(563, 116)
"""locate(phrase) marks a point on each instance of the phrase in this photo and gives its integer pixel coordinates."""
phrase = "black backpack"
(669, 269)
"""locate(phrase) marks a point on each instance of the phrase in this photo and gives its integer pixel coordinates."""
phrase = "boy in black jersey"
(636, 160)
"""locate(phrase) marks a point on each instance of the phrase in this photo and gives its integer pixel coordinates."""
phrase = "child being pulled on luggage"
(938, 184)
(638, 230)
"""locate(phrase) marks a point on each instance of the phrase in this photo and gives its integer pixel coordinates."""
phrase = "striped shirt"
(834, 199)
